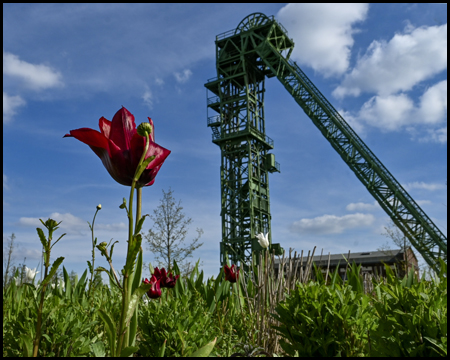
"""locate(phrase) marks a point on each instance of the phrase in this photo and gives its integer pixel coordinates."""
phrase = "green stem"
(93, 254)
(41, 305)
(123, 340)
(138, 205)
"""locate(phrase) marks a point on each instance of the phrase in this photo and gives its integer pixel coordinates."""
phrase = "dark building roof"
(364, 258)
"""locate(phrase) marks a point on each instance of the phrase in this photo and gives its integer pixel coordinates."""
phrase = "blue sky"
(383, 66)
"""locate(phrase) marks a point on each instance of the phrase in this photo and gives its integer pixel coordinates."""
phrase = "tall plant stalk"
(134, 247)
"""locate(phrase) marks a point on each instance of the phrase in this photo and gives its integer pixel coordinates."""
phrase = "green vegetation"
(314, 317)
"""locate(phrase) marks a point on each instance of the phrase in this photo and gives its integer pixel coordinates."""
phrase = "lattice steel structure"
(257, 48)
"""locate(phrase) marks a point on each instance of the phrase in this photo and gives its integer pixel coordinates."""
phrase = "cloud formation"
(183, 76)
(36, 77)
(399, 64)
(331, 224)
(396, 111)
(425, 186)
(362, 206)
(323, 33)
(10, 106)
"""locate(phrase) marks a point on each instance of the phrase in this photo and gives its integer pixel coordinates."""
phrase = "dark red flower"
(231, 274)
(170, 280)
(120, 148)
(167, 280)
(155, 290)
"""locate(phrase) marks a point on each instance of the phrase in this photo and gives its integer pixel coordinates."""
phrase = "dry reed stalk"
(270, 289)
(328, 267)
(346, 267)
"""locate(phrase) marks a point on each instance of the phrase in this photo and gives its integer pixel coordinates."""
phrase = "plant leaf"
(52, 272)
(128, 351)
(205, 350)
(137, 294)
(110, 329)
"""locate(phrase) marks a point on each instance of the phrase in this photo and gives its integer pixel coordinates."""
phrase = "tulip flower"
(29, 275)
(167, 280)
(263, 240)
(231, 274)
(155, 290)
(120, 148)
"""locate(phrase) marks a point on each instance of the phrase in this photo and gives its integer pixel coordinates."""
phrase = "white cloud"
(5, 182)
(69, 223)
(184, 76)
(362, 206)
(10, 105)
(112, 227)
(406, 60)
(435, 135)
(148, 98)
(331, 224)
(425, 186)
(388, 112)
(392, 112)
(322, 33)
(433, 103)
(72, 224)
(36, 77)
(423, 202)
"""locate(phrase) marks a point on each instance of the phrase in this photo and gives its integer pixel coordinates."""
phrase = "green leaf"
(99, 349)
(151, 268)
(58, 240)
(90, 266)
(143, 166)
(139, 225)
(134, 249)
(42, 238)
(138, 272)
(205, 350)
(52, 272)
(110, 330)
(27, 345)
(67, 283)
(163, 349)
(128, 351)
(137, 294)
(112, 249)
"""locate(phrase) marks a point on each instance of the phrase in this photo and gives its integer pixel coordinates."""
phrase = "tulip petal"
(105, 127)
(123, 128)
(90, 137)
(147, 178)
(152, 135)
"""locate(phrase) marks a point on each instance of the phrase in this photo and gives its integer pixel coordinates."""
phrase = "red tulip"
(167, 280)
(155, 290)
(231, 274)
(120, 148)
(170, 281)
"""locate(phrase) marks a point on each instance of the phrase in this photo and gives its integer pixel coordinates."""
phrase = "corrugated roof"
(365, 257)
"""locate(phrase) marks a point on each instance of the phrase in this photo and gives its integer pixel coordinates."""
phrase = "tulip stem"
(138, 205)
(124, 340)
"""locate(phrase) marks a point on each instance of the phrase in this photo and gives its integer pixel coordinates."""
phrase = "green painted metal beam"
(257, 48)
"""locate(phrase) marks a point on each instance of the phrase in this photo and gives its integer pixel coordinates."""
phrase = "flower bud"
(99, 206)
(144, 129)
(102, 247)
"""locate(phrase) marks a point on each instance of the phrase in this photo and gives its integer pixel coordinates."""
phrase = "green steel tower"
(258, 48)
(239, 129)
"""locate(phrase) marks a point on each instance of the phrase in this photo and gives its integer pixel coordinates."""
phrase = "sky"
(382, 66)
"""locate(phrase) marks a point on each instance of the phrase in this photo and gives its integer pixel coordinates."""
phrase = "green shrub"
(325, 320)
(412, 316)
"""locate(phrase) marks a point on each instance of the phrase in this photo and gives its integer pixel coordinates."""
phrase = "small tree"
(399, 239)
(166, 237)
